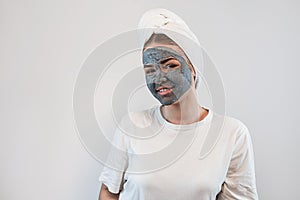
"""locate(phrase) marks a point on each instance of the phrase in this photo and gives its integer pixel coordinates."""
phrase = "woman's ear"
(192, 71)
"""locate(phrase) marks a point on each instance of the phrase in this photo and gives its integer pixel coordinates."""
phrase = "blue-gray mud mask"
(168, 76)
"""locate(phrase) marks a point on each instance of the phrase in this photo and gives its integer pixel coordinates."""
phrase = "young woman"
(226, 172)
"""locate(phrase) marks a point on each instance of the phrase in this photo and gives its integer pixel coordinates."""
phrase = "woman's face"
(167, 72)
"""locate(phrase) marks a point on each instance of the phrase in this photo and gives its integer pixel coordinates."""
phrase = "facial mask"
(168, 75)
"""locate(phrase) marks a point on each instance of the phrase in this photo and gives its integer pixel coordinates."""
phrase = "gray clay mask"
(168, 75)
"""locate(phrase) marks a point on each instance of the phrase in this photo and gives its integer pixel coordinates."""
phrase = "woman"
(226, 172)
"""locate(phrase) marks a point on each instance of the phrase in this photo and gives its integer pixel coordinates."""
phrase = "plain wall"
(255, 45)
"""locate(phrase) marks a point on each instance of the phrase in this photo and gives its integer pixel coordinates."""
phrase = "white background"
(255, 45)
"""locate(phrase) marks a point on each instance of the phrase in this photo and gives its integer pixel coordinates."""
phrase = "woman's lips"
(164, 90)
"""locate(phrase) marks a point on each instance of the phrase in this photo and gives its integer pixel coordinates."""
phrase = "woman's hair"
(160, 38)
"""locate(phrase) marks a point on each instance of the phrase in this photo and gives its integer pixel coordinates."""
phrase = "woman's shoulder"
(232, 124)
(235, 122)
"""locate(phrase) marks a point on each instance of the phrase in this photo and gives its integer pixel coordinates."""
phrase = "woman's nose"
(161, 78)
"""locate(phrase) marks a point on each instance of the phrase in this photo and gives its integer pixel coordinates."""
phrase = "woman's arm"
(113, 172)
(240, 181)
(105, 194)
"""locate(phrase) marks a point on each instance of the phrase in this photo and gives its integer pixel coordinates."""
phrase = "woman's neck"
(185, 111)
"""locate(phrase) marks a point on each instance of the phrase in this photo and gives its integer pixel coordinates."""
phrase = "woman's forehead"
(159, 53)
(173, 47)
(162, 50)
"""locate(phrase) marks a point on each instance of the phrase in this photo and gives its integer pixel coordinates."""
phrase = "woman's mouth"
(164, 90)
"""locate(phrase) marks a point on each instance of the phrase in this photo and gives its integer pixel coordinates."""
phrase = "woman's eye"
(171, 66)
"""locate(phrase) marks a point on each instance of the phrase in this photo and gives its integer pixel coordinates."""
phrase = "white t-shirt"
(157, 160)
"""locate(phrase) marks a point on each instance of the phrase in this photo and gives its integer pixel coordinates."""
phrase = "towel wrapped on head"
(163, 21)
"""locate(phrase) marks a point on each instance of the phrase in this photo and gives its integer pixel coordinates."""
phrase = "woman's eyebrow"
(163, 61)
(148, 65)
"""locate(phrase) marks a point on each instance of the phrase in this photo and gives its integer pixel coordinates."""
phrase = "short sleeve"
(240, 180)
(116, 164)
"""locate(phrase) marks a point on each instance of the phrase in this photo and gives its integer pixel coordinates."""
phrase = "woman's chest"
(186, 176)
